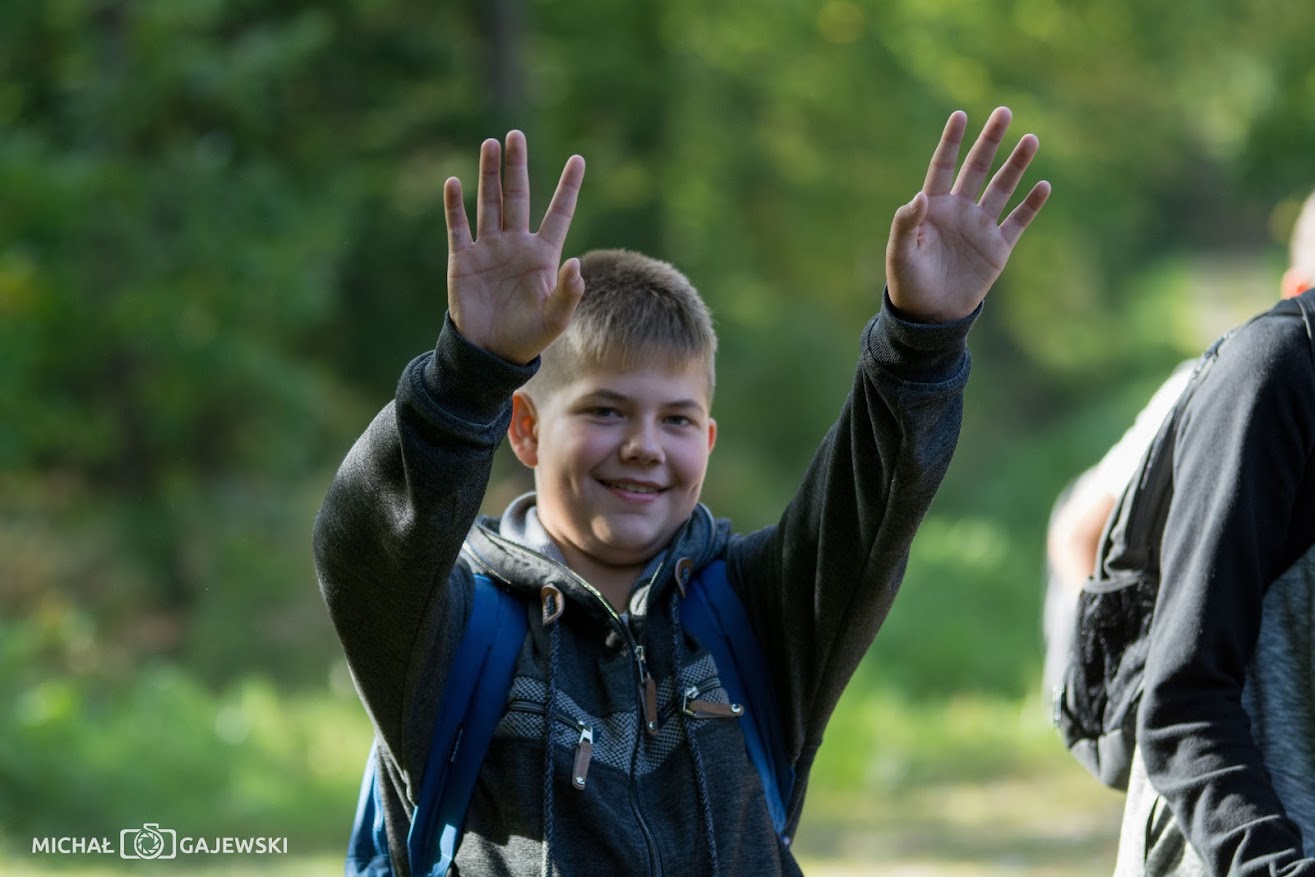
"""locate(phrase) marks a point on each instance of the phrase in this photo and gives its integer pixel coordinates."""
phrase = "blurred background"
(221, 239)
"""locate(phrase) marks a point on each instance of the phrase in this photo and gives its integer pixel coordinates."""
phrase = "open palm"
(946, 246)
(507, 291)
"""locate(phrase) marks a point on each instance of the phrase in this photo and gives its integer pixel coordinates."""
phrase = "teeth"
(634, 488)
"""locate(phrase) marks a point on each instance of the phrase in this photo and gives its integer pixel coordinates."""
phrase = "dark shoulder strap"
(1130, 543)
(714, 614)
(1131, 540)
(471, 705)
(1306, 301)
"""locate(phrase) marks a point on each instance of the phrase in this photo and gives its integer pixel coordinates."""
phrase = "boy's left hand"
(946, 248)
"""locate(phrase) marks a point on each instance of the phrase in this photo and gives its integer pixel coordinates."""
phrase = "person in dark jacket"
(1223, 780)
(600, 370)
(1079, 514)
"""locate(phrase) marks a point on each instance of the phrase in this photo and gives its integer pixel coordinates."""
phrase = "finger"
(488, 205)
(904, 227)
(516, 191)
(1007, 178)
(978, 163)
(1018, 220)
(454, 214)
(569, 291)
(940, 173)
(557, 221)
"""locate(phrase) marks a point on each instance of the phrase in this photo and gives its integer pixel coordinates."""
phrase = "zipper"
(584, 751)
(647, 694)
(641, 667)
(647, 688)
(584, 747)
(649, 840)
(693, 706)
(571, 574)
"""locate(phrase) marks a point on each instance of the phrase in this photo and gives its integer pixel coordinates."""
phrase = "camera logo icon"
(148, 842)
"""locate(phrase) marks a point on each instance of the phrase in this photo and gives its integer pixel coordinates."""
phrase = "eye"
(679, 420)
(602, 412)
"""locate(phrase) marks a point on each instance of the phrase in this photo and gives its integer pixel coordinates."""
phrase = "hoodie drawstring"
(700, 775)
(552, 604)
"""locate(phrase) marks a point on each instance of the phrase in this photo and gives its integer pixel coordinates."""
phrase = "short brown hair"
(635, 310)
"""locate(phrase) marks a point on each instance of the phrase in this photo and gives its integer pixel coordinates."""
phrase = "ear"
(523, 433)
(1294, 283)
(712, 434)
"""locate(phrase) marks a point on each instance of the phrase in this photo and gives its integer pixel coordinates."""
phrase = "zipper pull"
(648, 691)
(707, 709)
(583, 753)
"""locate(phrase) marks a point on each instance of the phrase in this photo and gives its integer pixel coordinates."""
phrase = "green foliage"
(221, 240)
(883, 743)
(89, 754)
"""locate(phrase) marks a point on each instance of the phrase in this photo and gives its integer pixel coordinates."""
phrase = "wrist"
(939, 313)
(473, 381)
(517, 358)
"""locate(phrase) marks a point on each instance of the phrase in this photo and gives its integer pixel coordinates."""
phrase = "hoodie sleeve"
(387, 537)
(1243, 511)
(820, 582)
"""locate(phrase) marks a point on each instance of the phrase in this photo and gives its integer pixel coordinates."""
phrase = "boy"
(617, 427)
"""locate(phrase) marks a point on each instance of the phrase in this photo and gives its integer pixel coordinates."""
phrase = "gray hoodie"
(397, 541)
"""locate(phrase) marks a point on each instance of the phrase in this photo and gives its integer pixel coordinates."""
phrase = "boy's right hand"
(506, 291)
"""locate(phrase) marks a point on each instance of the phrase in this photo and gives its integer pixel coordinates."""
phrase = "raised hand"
(946, 247)
(506, 291)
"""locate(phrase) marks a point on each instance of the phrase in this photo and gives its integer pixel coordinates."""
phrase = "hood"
(516, 550)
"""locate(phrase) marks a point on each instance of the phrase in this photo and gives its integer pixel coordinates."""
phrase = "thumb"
(570, 289)
(904, 227)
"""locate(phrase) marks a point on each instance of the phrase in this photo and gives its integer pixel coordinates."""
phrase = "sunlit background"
(221, 239)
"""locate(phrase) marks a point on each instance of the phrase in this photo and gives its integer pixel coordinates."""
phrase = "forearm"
(822, 580)
(393, 522)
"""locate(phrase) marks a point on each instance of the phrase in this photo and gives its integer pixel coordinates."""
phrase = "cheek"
(690, 460)
(583, 450)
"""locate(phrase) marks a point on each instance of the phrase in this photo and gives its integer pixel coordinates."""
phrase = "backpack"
(1095, 707)
(475, 694)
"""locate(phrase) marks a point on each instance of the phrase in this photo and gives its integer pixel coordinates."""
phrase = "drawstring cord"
(552, 610)
(700, 775)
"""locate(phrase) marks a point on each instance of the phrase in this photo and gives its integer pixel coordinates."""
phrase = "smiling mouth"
(632, 487)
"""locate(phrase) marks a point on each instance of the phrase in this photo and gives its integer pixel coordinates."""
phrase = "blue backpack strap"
(472, 703)
(367, 852)
(714, 614)
(468, 711)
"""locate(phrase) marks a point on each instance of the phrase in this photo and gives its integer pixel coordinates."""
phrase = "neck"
(613, 582)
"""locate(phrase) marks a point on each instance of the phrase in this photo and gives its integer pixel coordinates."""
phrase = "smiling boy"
(616, 424)
(601, 372)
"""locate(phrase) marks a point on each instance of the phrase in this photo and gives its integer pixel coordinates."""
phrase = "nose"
(642, 443)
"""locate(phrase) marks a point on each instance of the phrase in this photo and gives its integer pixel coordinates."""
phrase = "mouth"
(639, 488)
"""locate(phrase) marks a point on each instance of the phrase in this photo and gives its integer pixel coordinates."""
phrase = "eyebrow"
(605, 395)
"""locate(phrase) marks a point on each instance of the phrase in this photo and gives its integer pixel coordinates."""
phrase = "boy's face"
(619, 457)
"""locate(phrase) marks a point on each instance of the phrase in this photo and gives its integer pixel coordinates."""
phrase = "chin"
(631, 548)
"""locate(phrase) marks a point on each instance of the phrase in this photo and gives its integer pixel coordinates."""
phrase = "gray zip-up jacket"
(396, 542)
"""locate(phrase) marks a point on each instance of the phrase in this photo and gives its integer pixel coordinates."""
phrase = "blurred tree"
(221, 239)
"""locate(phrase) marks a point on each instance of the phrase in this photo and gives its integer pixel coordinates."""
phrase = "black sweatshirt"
(817, 585)
(1243, 511)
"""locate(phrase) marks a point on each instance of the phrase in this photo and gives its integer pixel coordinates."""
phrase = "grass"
(968, 785)
(965, 785)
